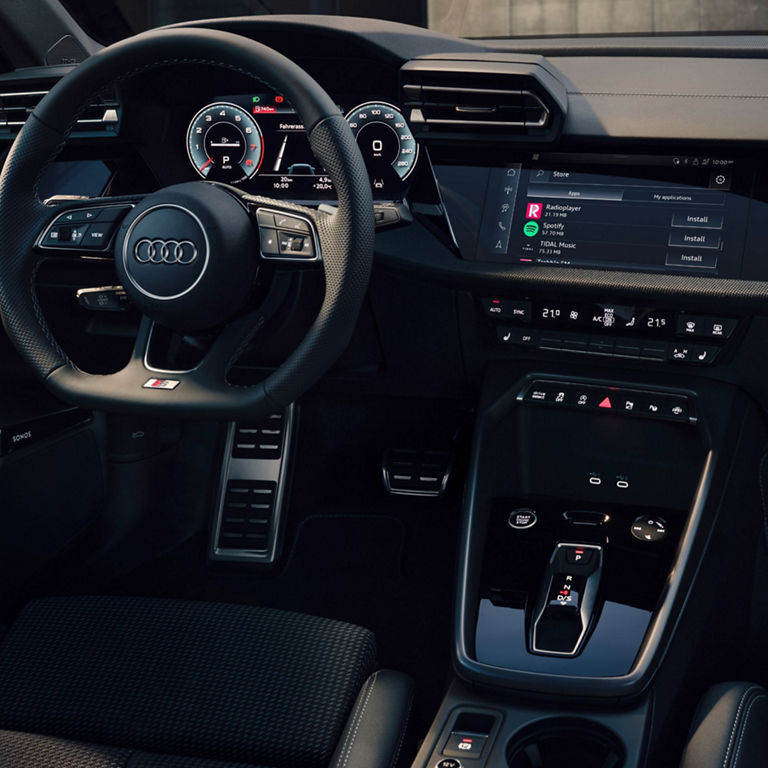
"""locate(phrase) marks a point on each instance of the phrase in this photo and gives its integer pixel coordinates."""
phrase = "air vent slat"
(100, 117)
(489, 123)
(481, 91)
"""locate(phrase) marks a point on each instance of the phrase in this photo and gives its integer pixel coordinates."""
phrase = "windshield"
(526, 18)
(111, 20)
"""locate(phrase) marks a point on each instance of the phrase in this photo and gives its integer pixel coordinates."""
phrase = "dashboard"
(569, 209)
(585, 176)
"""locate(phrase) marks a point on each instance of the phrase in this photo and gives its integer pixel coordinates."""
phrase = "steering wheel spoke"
(288, 234)
(84, 226)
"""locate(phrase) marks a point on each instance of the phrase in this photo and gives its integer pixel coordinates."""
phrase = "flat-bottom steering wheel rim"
(346, 237)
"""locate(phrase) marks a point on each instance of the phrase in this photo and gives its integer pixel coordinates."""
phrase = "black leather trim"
(375, 731)
(730, 728)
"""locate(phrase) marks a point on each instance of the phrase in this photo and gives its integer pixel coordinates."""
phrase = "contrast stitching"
(736, 722)
(744, 728)
(360, 719)
(402, 733)
(355, 712)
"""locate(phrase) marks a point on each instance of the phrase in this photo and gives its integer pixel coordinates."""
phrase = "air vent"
(100, 118)
(475, 107)
(488, 99)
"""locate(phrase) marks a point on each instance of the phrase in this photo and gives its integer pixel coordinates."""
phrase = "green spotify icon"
(531, 228)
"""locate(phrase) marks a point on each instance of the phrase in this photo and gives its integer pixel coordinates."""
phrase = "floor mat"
(341, 566)
(374, 571)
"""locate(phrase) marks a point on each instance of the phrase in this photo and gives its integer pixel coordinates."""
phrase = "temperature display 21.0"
(610, 318)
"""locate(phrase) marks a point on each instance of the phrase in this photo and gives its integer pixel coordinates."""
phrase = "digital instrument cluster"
(258, 141)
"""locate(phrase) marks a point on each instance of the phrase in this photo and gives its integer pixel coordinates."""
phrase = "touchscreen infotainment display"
(683, 214)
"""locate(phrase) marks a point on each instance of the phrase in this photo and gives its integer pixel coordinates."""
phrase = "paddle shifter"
(566, 605)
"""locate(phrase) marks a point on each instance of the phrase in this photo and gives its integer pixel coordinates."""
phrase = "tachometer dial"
(386, 142)
(224, 143)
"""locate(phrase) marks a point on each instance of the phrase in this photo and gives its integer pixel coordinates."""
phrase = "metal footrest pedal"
(249, 504)
(409, 472)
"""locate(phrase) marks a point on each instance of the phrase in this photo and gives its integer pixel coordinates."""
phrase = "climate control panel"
(614, 330)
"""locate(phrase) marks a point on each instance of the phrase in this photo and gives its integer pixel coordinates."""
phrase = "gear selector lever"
(567, 601)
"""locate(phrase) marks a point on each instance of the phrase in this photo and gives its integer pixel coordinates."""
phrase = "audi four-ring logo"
(156, 251)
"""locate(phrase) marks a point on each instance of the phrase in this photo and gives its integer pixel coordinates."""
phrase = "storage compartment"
(559, 742)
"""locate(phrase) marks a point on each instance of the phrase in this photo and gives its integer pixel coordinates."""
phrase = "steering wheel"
(187, 254)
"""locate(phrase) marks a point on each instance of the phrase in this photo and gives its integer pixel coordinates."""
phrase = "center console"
(584, 491)
(592, 503)
(610, 304)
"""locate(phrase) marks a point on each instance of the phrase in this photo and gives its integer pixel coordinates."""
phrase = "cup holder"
(565, 741)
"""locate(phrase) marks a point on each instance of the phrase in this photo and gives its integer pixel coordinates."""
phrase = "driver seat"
(122, 682)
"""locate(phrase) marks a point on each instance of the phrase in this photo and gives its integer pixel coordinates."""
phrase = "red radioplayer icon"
(533, 210)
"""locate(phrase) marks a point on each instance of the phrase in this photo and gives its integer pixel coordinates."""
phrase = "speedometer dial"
(386, 142)
(224, 143)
